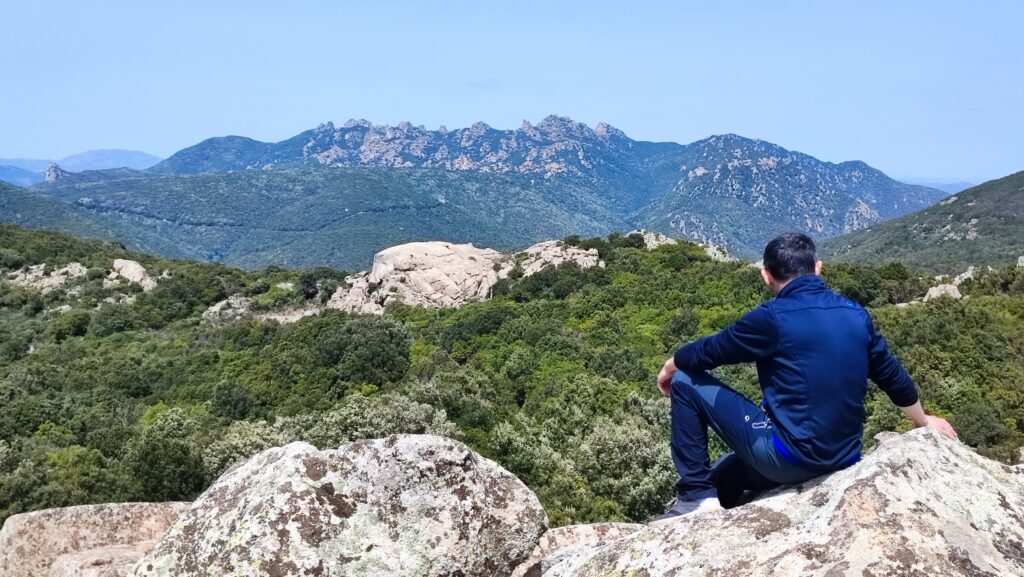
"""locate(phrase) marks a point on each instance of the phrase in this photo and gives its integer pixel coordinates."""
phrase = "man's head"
(788, 256)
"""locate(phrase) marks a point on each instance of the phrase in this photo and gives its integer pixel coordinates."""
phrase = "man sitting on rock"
(815, 351)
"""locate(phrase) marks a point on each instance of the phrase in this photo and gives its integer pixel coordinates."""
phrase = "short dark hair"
(790, 255)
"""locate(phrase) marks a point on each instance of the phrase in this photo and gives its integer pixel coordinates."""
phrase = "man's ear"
(766, 276)
(817, 268)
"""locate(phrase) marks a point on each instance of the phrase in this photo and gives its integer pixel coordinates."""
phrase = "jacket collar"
(808, 281)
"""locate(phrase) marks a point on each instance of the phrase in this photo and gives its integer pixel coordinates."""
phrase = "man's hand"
(920, 419)
(665, 377)
(941, 425)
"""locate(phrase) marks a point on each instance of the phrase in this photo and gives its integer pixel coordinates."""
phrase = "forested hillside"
(112, 393)
(334, 196)
(980, 226)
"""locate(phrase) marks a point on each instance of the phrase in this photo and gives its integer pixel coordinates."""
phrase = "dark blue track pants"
(699, 400)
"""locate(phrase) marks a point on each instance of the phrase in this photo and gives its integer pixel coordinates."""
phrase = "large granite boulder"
(406, 505)
(444, 274)
(100, 537)
(919, 504)
(571, 539)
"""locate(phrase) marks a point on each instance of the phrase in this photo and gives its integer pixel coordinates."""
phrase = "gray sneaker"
(680, 508)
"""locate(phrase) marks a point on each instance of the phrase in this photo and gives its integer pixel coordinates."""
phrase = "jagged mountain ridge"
(978, 226)
(502, 188)
(682, 189)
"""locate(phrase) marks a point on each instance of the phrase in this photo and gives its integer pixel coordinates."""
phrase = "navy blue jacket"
(815, 351)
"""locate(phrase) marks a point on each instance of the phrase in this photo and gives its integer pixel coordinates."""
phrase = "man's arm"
(890, 376)
(752, 337)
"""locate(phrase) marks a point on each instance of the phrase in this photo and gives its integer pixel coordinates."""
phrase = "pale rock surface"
(443, 274)
(31, 543)
(717, 253)
(560, 541)
(231, 309)
(109, 561)
(964, 276)
(535, 258)
(947, 290)
(1020, 262)
(919, 504)
(132, 272)
(405, 505)
(35, 276)
(653, 239)
(54, 173)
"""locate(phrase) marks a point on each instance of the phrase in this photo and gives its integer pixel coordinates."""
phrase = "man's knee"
(683, 382)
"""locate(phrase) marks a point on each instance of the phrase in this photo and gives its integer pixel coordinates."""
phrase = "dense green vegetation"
(980, 226)
(553, 377)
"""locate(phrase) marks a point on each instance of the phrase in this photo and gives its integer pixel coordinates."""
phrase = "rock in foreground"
(919, 504)
(57, 541)
(407, 505)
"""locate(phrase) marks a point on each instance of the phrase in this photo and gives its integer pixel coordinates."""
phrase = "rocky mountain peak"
(54, 173)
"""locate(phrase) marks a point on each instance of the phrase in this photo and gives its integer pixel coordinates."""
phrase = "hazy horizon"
(919, 91)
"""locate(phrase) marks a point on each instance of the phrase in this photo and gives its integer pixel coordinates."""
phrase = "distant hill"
(729, 190)
(983, 225)
(334, 216)
(19, 176)
(944, 186)
(104, 159)
(30, 209)
(28, 171)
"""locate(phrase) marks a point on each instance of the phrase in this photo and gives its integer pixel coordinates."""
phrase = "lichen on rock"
(415, 505)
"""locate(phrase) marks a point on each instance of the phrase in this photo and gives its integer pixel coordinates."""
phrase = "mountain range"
(980, 226)
(28, 171)
(335, 195)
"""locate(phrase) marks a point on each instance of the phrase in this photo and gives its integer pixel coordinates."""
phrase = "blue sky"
(929, 89)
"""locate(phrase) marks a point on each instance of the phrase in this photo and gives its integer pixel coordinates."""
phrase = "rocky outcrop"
(35, 276)
(415, 505)
(919, 504)
(653, 239)
(229, 310)
(130, 271)
(1020, 262)
(943, 290)
(90, 540)
(443, 274)
(54, 173)
(572, 539)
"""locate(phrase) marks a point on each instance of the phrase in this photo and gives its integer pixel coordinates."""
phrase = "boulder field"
(421, 505)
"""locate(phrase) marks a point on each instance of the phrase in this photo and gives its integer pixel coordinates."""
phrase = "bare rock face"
(947, 290)
(919, 504)
(231, 309)
(35, 276)
(406, 505)
(443, 274)
(132, 272)
(89, 538)
(1020, 262)
(54, 173)
(109, 561)
(572, 539)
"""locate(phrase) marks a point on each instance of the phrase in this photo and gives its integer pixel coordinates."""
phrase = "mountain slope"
(983, 225)
(729, 190)
(738, 193)
(19, 176)
(256, 202)
(334, 216)
(30, 209)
